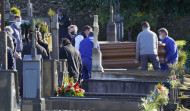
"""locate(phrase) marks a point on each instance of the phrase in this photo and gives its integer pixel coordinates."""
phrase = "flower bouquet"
(173, 81)
(156, 99)
(70, 89)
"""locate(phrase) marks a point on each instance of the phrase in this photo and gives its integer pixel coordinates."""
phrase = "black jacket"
(45, 46)
(40, 50)
(10, 58)
(73, 60)
(63, 29)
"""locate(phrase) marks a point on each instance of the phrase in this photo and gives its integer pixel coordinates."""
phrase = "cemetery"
(117, 82)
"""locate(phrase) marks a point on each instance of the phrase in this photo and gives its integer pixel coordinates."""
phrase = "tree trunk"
(129, 30)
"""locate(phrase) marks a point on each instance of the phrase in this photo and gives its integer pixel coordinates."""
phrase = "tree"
(133, 11)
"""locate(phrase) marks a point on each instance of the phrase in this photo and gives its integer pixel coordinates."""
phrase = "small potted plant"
(15, 11)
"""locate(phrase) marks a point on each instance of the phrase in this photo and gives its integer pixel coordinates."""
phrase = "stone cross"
(97, 68)
(33, 50)
(55, 40)
(96, 30)
(29, 9)
(111, 13)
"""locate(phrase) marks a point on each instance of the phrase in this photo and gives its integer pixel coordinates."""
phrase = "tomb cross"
(96, 30)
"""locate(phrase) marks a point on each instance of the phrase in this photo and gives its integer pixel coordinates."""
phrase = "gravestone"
(111, 28)
(3, 50)
(32, 80)
(96, 53)
(119, 22)
(50, 78)
(8, 90)
(55, 40)
(29, 9)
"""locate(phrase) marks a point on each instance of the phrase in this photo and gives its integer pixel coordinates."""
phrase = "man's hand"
(61, 23)
(16, 55)
(136, 61)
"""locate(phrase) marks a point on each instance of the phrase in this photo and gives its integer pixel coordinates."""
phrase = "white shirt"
(78, 39)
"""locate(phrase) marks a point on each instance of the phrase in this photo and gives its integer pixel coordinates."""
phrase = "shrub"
(50, 13)
(16, 11)
(41, 26)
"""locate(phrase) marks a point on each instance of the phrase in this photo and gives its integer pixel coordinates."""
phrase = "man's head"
(65, 41)
(39, 35)
(30, 37)
(17, 20)
(91, 34)
(163, 33)
(9, 30)
(72, 29)
(60, 12)
(145, 25)
(87, 29)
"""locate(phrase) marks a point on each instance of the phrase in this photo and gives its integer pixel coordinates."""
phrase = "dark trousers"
(152, 58)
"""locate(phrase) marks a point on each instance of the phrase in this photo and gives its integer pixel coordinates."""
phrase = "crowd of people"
(77, 47)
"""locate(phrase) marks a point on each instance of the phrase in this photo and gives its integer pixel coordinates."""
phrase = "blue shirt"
(171, 50)
(86, 47)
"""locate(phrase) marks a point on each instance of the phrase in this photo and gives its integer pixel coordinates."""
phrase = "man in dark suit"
(64, 23)
(27, 48)
(43, 44)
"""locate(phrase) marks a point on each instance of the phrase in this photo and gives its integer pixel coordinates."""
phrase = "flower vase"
(171, 95)
(182, 79)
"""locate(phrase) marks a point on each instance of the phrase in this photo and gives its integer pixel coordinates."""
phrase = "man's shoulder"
(43, 43)
(170, 39)
(79, 36)
(40, 47)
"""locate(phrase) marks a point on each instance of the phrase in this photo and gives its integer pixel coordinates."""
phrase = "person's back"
(148, 42)
(147, 48)
(85, 49)
(45, 46)
(73, 59)
(40, 50)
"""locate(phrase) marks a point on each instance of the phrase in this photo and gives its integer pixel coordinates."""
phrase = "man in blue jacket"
(85, 49)
(17, 37)
(171, 48)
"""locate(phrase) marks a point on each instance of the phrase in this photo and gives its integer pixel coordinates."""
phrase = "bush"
(50, 13)
(16, 11)
(42, 26)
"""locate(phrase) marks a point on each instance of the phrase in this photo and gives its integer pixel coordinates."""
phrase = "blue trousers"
(87, 67)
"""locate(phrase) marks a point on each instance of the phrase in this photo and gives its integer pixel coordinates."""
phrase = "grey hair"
(73, 27)
(8, 29)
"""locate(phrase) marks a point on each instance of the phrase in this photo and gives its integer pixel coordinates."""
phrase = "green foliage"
(41, 26)
(50, 13)
(157, 98)
(16, 11)
(133, 11)
(180, 44)
(177, 70)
